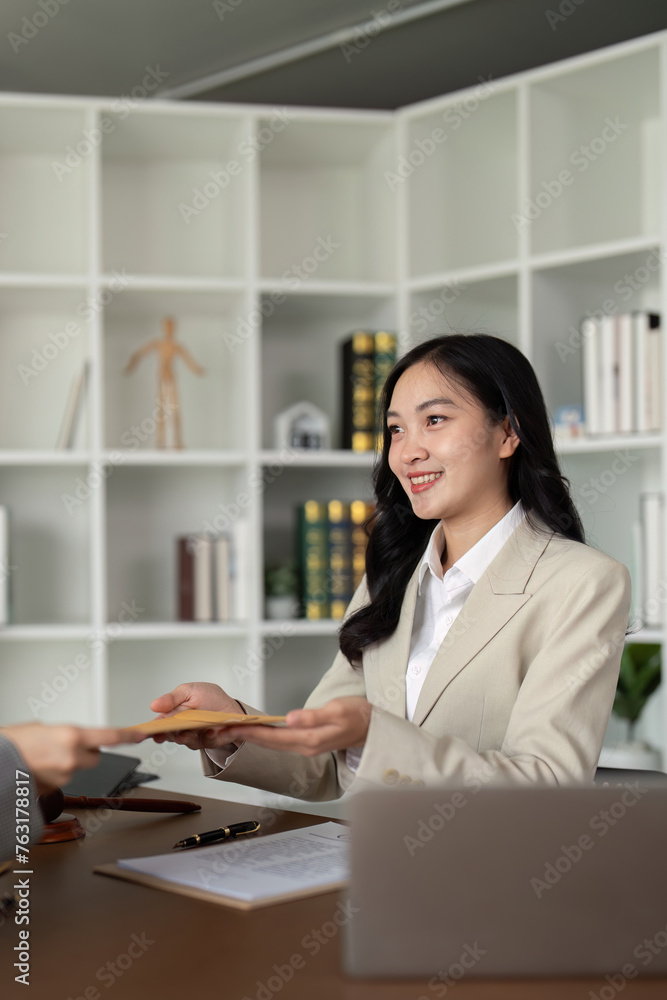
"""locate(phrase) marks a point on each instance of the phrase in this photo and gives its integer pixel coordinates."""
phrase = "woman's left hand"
(341, 723)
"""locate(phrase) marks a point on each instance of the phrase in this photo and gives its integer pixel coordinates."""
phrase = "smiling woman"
(484, 642)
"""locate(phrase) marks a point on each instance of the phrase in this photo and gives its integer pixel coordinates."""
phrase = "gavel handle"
(132, 805)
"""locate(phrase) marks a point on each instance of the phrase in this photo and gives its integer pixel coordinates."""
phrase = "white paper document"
(258, 869)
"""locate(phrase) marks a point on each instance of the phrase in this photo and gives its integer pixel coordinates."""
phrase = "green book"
(313, 559)
(384, 361)
(340, 558)
(358, 391)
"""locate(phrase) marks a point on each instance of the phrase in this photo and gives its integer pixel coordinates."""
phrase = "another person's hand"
(203, 696)
(53, 753)
(338, 725)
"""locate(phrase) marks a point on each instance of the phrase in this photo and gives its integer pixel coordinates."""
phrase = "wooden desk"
(86, 928)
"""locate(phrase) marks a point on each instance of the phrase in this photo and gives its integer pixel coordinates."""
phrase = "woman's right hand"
(197, 695)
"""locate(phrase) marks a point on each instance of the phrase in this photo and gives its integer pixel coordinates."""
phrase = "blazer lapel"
(495, 598)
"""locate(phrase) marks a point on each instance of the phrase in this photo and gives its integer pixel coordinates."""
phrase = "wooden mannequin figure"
(167, 350)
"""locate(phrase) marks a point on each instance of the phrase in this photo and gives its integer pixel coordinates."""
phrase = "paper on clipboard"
(249, 873)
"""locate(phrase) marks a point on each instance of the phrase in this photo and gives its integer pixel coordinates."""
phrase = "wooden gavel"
(52, 804)
(68, 827)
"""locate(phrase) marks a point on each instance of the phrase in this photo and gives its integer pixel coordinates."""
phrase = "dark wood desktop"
(90, 934)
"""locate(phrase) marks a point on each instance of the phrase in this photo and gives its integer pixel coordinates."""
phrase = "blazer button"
(390, 776)
(404, 780)
(418, 783)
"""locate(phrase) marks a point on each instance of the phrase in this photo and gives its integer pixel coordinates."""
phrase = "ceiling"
(339, 53)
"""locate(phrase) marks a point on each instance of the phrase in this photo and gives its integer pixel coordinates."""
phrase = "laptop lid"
(530, 881)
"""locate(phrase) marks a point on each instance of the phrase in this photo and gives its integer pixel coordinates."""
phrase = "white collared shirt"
(440, 598)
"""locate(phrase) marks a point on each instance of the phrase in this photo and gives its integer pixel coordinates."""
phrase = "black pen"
(215, 836)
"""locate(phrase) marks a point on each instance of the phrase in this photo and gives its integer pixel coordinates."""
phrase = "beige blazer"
(519, 691)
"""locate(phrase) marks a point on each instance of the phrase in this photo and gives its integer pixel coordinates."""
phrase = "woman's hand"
(197, 695)
(341, 723)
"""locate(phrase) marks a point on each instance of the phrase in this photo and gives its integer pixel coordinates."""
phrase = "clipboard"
(271, 869)
(115, 871)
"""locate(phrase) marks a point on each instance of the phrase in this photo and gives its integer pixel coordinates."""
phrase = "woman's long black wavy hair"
(502, 380)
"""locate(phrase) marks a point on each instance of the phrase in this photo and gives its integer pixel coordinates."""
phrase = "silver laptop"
(538, 881)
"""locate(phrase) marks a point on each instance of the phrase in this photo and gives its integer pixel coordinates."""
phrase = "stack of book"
(331, 555)
(622, 366)
(368, 357)
(205, 578)
(653, 593)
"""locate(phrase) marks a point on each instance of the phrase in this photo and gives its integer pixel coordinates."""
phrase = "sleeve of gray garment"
(11, 762)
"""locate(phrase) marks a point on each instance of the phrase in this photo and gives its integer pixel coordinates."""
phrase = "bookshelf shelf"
(176, 630)
(29, 457)
(334, 288)
(599, 251)
(167, 457)
(464, 276)
(161, 283)
(44, 633)
(648, 635)
(613, 442)
(335, 221)
(294, 628)
(341, 458)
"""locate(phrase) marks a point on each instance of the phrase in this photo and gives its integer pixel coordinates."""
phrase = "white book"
(651, 559)
(221, 578)
(608, 375)
(4, 566)
(647, 371)
(202, 550)
(74, 409)
(239, 560)
(654, 335)
(591, 340)
(624, 337)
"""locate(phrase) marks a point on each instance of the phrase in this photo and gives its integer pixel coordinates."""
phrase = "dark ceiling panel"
(449, 51)
(102, 47)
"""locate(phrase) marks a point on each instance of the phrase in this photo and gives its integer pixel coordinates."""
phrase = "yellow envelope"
(195, 718)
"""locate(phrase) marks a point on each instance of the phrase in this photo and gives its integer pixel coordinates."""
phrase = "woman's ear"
(510, 439)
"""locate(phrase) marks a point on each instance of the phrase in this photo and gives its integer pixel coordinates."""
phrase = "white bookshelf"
(111, 247)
